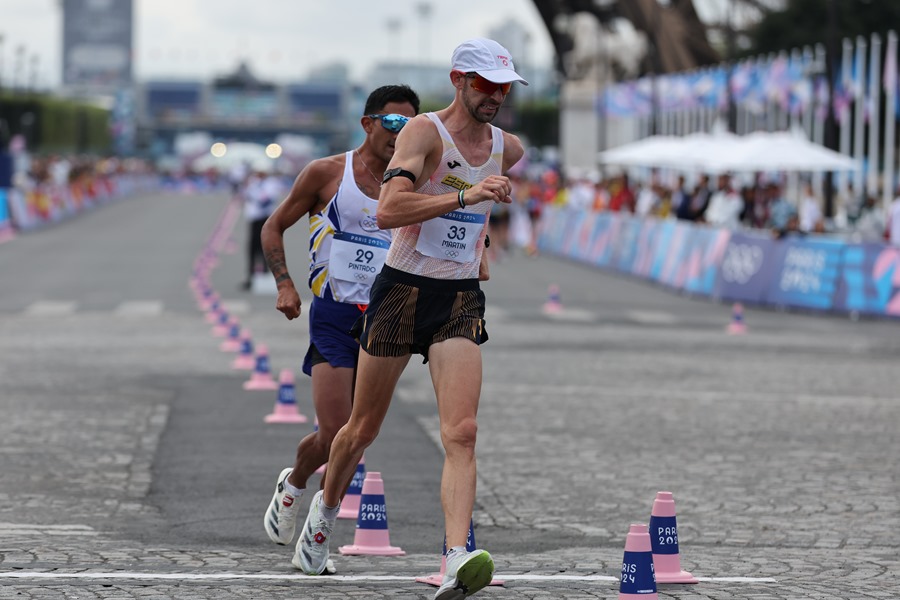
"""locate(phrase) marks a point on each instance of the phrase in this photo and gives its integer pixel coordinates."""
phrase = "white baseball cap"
(487, 58)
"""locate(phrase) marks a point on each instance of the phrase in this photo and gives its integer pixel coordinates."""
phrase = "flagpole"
(890, 119)
(844, 116)
(859, 182)
(808, 113)
(874, 105)
(819, 111)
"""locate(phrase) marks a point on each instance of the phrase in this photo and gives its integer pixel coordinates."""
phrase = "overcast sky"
(281, 39)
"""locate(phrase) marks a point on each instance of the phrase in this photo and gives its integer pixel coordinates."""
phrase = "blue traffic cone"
(638, 578)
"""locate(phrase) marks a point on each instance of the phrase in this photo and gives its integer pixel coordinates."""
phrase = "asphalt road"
(134, 465)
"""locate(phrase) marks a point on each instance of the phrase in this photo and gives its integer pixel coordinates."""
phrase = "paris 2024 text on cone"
(372, 537)
(664, 542)
(637, 580)
(436, 579)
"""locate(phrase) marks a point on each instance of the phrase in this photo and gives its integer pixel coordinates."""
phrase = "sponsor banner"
(626, 244)
(808, 273)
(746, 268)
(869, 280)
(6, 229)
(665, 233)
(606, 231)
(805, 274)
(580, 242)
(552, 230)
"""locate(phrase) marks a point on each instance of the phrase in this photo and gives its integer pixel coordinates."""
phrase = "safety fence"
(23, 210)
(810, 272)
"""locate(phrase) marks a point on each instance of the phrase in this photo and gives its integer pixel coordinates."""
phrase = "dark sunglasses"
(480, 84)
(392, 122)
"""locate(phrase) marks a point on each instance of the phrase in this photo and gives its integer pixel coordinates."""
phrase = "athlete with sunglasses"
(445, 175)
(347, 250)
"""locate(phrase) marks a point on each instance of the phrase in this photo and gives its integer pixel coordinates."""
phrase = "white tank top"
(450, 246)
(346, 248)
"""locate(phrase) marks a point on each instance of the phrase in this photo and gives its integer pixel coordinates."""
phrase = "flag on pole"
(889, 80)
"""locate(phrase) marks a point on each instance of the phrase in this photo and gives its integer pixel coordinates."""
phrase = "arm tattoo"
(277, 265)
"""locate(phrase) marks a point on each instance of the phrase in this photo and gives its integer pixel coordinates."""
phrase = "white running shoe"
(281, 516)
(311, 553)
(466, 573)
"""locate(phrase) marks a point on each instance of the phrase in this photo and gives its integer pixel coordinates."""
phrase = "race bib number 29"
(452, 236)
(356, 257)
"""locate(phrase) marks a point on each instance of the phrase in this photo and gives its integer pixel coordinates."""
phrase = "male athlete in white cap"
(445, 175)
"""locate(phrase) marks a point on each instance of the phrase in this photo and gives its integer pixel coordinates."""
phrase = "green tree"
(806, 23)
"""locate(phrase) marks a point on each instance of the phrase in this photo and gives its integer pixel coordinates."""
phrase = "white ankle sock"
(330, 513)
(293, 491)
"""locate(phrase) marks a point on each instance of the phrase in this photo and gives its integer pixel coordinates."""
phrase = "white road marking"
(139, 308)
(572, 315)
(29, 529)
(651, 317)
(236, 307)
(326, 578)
(50, 308)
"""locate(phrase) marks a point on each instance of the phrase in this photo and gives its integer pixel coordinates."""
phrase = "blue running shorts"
(329, 334)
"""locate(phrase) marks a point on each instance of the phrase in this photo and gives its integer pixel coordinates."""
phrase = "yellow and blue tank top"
(346, 247)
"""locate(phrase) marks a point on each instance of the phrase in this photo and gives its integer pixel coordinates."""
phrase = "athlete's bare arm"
(513, 151)
(311, 190)
(418, 150)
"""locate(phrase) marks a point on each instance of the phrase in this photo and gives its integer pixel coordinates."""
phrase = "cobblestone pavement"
(778, 445)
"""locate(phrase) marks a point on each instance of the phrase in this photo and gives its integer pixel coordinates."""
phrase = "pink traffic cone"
(372, 537)
(232, 342)
(212, 315)
(553, 304)
(285, 410)
(351, 501)
(664, 542)
(244, 361)
(261, 378)
(637, 580)
(220, 329)
(436, 579)
(737, 325)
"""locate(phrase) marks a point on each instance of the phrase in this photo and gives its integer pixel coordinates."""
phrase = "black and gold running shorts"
(407, 313)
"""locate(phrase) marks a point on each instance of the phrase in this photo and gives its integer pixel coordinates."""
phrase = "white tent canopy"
(720, 152)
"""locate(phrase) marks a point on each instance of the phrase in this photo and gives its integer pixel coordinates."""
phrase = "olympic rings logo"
(361, 276)
(451, 253)
(742, 262)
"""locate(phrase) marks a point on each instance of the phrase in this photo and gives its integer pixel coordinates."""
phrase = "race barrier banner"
(45, 204)
(813, 273)
(6, 229)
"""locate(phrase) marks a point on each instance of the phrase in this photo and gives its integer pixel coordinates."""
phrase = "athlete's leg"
(456, 373)
(376, 378)
(332, 391)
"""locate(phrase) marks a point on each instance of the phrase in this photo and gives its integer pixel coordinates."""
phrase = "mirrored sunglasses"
(480, 84)
(391, 122)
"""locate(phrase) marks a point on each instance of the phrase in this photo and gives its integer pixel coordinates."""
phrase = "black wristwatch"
(391, 173)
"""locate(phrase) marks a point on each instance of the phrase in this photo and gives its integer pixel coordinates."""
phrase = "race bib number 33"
(452, 236)
(356, 257)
